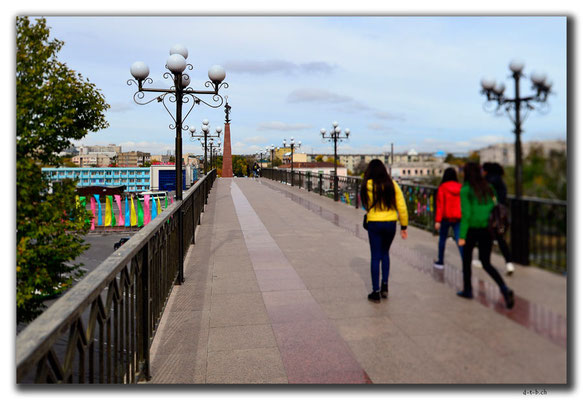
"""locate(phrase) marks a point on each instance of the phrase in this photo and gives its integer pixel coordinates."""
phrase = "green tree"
(319, 158)
(54, 105)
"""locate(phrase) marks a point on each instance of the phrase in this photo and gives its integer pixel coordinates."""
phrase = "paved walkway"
(275, 292)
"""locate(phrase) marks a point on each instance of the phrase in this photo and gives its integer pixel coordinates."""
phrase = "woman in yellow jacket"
(384, 202)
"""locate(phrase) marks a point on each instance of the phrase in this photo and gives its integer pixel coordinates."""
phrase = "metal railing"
(538, 233)
(101, 330)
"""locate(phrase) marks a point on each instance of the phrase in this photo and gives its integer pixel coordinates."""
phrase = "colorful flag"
(166, 206)
(99, 219)
(158, 205)
(140, 213)
(120, 221)
(154, 209)
(147, 212)
(108, 211)
(92, 201)
(133, 216)
(127, 218)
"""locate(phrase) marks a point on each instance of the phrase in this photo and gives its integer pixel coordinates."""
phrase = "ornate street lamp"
(179, 93)
(517, 109)
(497, 101)
(292, 145)
(205, 135)
(214, 147)
(335, 135)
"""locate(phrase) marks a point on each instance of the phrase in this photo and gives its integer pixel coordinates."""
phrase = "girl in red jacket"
(448, 212)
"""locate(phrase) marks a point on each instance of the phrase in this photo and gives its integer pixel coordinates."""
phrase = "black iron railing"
(101, 330)
(538, 235)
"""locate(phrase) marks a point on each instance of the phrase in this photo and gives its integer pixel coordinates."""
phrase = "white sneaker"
(438, 266)
(509, 268)
(476, 263)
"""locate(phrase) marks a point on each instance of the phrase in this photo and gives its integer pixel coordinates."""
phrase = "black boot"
(467, 295)
(508, 298)
(375, 297)
(384, 290)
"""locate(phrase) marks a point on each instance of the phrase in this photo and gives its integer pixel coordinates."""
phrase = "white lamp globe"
(335, 124)
(323, 131)
(516, 65)
(218, 129)
(217, 73)
(347, 131)
(337, 129)
(538, 78)
(205, 128)
(140, 70)
(179, 49)
(300, 143)
(176, 63)
(205, 121)
(192, 129)
(500, 87)
(488, 83)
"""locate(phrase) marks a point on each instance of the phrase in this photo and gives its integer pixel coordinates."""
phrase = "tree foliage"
(54, 105)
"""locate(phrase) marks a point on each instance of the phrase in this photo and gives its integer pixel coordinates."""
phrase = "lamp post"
(180, 93)
(517, 109)
(292, 146)
(216, 151)
(205, 135)
(494, 93)
(213, 147)
(335, 135)
(272, 149)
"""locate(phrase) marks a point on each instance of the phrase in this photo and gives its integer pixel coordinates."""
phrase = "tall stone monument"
(227, 159)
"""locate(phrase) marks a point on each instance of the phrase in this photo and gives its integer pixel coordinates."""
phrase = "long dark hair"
(383, 191)
(449, 175)
(477, 182)
(493, 169)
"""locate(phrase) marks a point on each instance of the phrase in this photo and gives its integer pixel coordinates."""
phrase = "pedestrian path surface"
(275, 292)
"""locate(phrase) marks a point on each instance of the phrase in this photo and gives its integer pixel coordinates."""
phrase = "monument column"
(227, 159)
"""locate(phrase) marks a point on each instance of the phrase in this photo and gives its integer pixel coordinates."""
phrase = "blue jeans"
(443, 232)
(380, 237)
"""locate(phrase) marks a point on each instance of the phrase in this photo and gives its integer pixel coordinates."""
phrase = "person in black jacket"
(493, 174)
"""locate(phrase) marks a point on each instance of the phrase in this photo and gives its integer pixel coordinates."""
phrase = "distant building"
(326, 168)
(133, 159)
(352, 161)
(135, 179)
(93, 159)
(416, 170)
(503, 153)
(110, 148)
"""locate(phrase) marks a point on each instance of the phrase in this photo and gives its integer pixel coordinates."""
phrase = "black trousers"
(482, 238)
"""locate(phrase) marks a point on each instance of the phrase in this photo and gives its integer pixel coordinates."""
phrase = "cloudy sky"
(411, 81)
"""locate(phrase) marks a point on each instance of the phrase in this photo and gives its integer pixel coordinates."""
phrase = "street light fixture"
(335, 135)
(514, 107)
(205, 135)
(496, 101)
(180, 93)
(213, 147)
(272, 149)
(292, 145)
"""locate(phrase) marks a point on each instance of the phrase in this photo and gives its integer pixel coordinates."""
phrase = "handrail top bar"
(47, 327)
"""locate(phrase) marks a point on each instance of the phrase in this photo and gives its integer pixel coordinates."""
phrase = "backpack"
(499, 220)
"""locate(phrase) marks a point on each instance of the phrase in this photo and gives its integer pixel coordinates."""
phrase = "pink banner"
(120, 221)
(147, 213)
(92, 212)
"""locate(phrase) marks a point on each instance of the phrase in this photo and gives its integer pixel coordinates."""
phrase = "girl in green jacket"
(477, 198)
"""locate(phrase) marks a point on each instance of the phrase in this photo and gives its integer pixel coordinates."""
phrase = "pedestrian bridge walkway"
(275, 292)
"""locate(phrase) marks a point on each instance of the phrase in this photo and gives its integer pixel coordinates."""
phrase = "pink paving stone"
(313, 352)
